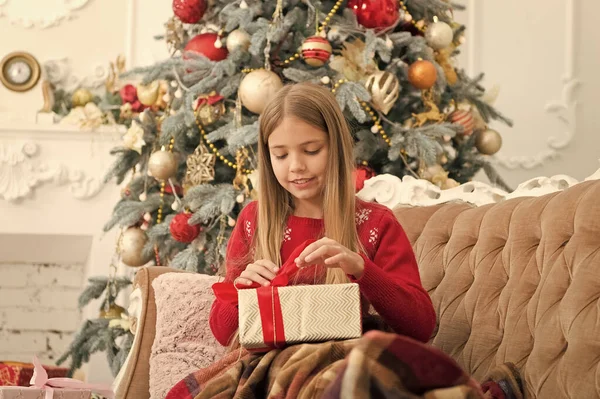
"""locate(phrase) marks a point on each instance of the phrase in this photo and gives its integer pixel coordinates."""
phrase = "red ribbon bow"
(268, 298)
(210, 100)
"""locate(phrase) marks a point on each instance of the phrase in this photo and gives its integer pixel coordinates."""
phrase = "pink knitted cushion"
(184, 342)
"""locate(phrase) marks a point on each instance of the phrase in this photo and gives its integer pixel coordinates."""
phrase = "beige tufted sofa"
(517, 281)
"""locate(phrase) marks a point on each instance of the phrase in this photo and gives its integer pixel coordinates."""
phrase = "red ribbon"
(269, 303)
(271, 316)
(210, 100)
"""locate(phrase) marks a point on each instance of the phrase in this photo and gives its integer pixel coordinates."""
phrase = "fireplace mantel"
(32, 156)
(54, 202)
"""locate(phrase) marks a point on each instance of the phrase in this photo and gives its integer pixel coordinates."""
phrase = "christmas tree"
(187, 162)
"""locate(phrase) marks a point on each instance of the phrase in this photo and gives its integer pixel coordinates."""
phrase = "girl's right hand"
(261, 272)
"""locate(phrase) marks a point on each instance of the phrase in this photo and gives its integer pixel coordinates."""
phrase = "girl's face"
(299, 153)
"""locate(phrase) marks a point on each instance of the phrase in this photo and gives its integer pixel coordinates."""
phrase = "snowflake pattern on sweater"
(373, 235)
(287, 234)
(248, 229)
(361, 216)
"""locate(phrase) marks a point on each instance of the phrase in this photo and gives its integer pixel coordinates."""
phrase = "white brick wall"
(38, 309)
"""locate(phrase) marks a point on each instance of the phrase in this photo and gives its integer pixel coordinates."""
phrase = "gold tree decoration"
(200, 167)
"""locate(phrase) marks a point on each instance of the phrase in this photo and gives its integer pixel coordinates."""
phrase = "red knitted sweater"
(391, 281)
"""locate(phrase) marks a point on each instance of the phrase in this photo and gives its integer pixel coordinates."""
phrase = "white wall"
(527, 48)
(537, 51)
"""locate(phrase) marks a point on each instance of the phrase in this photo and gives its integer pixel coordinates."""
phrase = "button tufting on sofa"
(518, 281)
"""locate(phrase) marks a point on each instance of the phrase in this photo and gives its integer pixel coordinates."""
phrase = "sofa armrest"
(133, 379)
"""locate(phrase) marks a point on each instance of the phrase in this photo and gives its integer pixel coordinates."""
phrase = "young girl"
(307, 191)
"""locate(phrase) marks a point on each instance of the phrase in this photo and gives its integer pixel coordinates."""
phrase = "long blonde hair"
(318, 107)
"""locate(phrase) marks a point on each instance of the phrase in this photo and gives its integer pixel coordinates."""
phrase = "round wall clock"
(19, 71)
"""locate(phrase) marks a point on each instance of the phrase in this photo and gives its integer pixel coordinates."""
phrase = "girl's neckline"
(300, 220)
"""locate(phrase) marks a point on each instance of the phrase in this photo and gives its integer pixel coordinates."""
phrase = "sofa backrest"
(518, 281)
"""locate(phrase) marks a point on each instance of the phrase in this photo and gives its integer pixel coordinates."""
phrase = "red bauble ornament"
(465, 119)
(189, 11)
(375, 13)
(316, 51)
(361, 174)
(181, 230)
(204, 44)
(128, 93)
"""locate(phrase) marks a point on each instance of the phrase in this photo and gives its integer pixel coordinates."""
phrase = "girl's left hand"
(330, 253)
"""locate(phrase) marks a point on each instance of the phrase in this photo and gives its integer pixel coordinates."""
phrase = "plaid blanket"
(379, 365)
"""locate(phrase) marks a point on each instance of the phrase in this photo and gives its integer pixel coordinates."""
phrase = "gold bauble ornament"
(114, 311)
(488, 142)
(238, 39)
(384, 89)
(209, 108)
(131, 246)
(422, 74)
(148, 94)
(162, 165)
(209, 114)
(257, 88)
(81, 97)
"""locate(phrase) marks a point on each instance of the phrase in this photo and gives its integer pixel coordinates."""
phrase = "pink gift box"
(43, 387)
(36, 393)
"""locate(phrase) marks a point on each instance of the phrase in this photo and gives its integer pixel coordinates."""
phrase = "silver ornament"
(132, 244)
(238, 39)
(162, 165)
(439, 35)
(384, 89)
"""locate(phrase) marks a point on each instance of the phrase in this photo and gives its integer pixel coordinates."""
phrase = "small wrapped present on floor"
(35, 393)
(43, 387)
(278, 315)
(19, 374)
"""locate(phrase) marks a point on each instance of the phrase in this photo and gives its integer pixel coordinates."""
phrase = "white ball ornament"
(257, 88)
(238, 39)
(439, 35)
